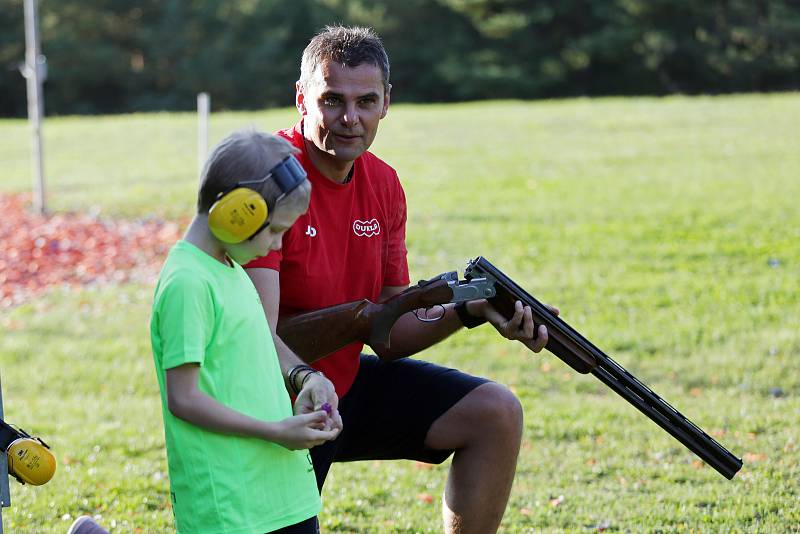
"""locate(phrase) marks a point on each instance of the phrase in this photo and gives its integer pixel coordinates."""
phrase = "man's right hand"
(304, 431)
(317, 391)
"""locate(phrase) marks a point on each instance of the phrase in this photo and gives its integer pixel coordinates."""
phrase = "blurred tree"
(123, 55)
(642, 46)
(12, 52)
(427, 44)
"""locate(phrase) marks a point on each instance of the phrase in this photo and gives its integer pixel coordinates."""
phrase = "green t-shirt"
(210, 313)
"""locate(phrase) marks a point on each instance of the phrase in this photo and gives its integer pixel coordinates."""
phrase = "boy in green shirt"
(238, 458)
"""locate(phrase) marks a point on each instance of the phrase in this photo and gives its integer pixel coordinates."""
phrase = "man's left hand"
(518, 327)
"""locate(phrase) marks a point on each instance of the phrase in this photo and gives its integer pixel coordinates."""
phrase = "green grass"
(666, 230)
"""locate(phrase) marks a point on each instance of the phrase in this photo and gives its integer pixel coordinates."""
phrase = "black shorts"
(309, 526)
(388, 411)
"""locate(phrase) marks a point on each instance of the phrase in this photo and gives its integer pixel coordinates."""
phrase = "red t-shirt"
(347, 247)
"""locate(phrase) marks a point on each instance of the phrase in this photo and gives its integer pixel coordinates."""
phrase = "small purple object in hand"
(327, 408)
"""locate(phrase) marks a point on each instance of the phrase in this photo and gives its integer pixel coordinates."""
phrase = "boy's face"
(270, 238)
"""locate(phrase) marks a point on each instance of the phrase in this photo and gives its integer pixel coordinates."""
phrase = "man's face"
(341, 109)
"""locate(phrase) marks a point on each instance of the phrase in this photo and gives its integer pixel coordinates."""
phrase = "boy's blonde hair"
(248, 155)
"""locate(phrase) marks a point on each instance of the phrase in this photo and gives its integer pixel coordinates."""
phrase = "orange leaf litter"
(40, 251)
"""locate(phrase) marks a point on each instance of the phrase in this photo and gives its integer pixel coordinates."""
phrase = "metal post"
(203, 108)
(5, 494)
(34, 72)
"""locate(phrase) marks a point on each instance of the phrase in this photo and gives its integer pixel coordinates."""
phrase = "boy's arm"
(317, 389)
(187, 402)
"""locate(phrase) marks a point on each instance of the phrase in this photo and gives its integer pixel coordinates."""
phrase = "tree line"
(111, 56)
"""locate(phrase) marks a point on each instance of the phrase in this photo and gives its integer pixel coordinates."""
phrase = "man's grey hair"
(243, 156)
(349, 46)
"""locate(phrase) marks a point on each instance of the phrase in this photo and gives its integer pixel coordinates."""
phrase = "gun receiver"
(580, 354)
(316, 334)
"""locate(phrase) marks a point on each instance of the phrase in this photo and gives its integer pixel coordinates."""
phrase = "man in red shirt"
(350, 245)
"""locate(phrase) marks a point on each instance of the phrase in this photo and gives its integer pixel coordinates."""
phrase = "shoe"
(86, 525)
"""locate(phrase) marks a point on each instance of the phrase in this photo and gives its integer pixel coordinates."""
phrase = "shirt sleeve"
(397, 257)
(270, 261)
(185, 321)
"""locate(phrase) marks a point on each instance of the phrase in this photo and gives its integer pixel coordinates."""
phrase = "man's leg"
(485, 429)
(436, 412)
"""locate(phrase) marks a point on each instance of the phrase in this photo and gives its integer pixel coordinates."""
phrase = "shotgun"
(316, 334)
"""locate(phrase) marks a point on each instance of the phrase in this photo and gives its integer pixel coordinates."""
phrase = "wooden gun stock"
(316, 334)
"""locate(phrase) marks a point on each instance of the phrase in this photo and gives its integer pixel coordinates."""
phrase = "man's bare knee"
(489, 412)
(504, 410)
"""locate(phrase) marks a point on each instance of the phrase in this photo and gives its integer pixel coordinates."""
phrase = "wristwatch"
(467, 319)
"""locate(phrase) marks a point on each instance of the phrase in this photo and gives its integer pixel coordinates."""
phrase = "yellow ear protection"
(29, 459)
(241, 212)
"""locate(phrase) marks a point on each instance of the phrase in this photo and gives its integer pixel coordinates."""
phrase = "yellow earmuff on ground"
(30, 461)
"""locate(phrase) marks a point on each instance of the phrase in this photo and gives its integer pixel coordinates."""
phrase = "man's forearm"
(410, 335)
(314, 391)
(287, 359)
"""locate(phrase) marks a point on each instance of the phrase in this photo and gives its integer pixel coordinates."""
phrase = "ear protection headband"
(29, 459)
(241, 212)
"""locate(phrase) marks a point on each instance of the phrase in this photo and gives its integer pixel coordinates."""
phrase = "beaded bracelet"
(292, 376)
(313, 372)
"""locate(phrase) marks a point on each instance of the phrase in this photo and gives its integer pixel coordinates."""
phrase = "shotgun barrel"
(583, 356)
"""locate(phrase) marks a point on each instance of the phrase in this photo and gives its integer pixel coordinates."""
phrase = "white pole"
(203, 108)
(34, 72)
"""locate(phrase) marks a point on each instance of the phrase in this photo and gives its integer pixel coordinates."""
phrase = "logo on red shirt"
(366, 228)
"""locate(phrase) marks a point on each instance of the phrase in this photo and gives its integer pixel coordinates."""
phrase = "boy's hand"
(317, 392)
(304, 431)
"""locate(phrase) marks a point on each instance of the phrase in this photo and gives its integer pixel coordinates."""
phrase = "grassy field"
(666, 230)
